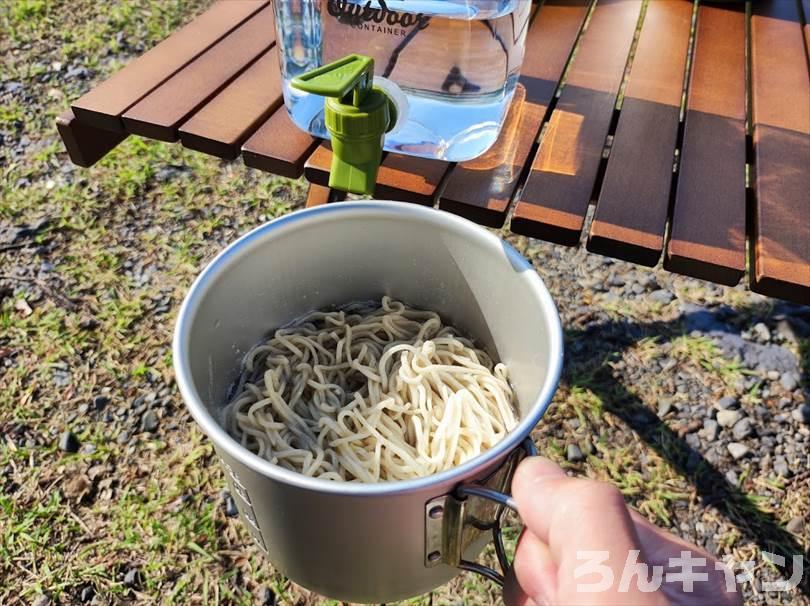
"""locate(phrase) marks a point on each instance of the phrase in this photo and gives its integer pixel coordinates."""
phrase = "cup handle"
(504, 502)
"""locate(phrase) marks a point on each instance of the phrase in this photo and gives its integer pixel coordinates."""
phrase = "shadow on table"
(605, 342)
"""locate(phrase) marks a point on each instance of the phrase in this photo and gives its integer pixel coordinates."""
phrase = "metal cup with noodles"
(391, 540)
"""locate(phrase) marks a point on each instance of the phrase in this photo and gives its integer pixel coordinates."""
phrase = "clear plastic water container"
(450, 66)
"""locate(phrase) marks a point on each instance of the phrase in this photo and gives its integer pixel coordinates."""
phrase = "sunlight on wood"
(558, 152)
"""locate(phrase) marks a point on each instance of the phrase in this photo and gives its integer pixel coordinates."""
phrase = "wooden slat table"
(638, 129)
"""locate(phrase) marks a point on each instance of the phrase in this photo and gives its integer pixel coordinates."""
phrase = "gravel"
(726, 403)
(68, 442)
(802, 414)
(230, 506)
(267, 597)
(728, 418)
(662, 296)
(664, 407)
(789, 381)
(131, 578)
(780, 467)
(710, 430)
(742, 429)
(737, 450)
(150, 421)
(796, 525)
(574, 454)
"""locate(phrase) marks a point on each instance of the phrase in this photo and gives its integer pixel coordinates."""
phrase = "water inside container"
(452, 64)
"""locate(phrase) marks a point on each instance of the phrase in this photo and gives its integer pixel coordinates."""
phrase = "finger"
(535, 571)
(563, 511)
(660, 545)
(513, 594)
(573, 517)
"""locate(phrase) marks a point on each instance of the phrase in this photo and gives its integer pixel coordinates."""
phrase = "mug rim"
(381, 208)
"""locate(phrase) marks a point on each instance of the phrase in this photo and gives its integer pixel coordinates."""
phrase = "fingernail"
(540, 469)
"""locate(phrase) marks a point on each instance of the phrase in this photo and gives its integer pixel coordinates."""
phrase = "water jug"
(450, 66)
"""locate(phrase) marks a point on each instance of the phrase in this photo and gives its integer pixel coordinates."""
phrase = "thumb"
(572, 517)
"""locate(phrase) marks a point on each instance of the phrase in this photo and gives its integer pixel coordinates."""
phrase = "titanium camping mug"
(392, 540)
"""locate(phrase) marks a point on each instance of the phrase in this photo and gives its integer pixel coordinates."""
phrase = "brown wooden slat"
(555, 198)
(409, 179)
(806, 9)
(225, 122)
(318, 195)
(403, 178)
(481, 189)
(631, 213)
(161, 112)
(318, 164)
(85, 144)
(279, 146)
(103, 106)
(707, 238)
(781, 118)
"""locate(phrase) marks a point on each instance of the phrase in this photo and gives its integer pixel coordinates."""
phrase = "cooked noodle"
(370, 394)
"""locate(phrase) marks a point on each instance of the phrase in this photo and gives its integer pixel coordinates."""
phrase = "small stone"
(727, 418)
(737, 450)
(574, 454)
(742, 429)
(785, 329)
(88, 322)
(89, 449)
(122, 438)
(42, 600)
(267, 597)
(131, 578)
(726, 403)
(664, 407)
(796, 525)
(230, 507)
(802, 414)
(22, 306)
(662, 296)
(773, 375)
(78, 72)
(692, 440)
(699, 318)
(100, 402)
(150, 421)
(761, 332)
(781, 468)
(87, 594)
(68, 442)
(710, 430)
(789, 381)
(732, 478)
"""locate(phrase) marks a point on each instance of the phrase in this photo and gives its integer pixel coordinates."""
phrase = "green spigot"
(357, 116)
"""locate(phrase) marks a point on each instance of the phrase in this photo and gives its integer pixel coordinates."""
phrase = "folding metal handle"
(455, 522)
